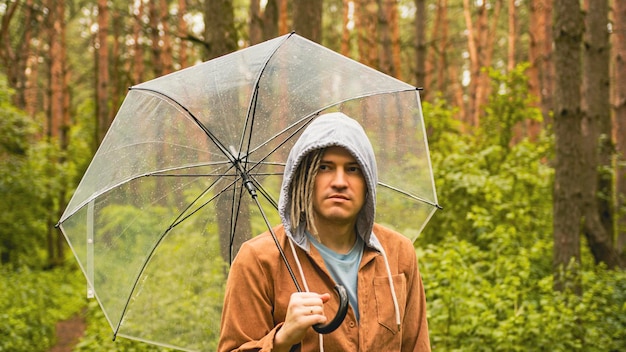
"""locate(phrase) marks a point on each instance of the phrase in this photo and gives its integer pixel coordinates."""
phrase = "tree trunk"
(283, 17)
(307, 19)
(255, 23)
(183, 56)
(474, 66)
(102, 78)
(420, 45)
(619, 110)
(568, 29)
(385, 62)
(597, 136)
(512, 35)
(270, 20)
(365, 12)
(220, 34)
(166, 39)
(153, 28)
(137, 72)
(59, 120)
(345, 30)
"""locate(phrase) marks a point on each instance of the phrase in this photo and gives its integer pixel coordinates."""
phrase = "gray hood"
(333, 129)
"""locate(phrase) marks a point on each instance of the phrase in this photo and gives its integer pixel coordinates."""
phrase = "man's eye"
(324, 167)
(354, 169)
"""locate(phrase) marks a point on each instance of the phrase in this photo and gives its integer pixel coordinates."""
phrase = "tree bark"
(183, 56)
(283, 17)
(597, 136)
(153, 28)
(102, 77)
(307, 19)
(59, 119)
(420, 45)
(270, 20)
(366, 19)
(619, 111)
(255, 23)
(166, 38)
(512, 35)
(219, 28)
(137, 71)
(567, 212)
(385, 61)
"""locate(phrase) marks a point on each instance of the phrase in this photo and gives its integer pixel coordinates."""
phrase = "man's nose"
(339, 179)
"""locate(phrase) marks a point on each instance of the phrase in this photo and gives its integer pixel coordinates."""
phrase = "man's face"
(339, 192)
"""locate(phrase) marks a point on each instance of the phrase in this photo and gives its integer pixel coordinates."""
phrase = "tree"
(220, 34)
(307, 19)
(597, 136)
(103, 120)
(619, 109)
(567, 207)
(420, 42)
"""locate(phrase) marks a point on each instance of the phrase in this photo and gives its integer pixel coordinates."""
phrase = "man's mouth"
(339, 196)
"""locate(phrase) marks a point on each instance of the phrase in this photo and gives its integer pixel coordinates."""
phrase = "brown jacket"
(259, 287)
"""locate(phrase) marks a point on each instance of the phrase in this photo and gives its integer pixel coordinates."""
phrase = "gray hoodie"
(333, 129)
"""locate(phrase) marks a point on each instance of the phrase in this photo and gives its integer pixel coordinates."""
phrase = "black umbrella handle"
(339, 317)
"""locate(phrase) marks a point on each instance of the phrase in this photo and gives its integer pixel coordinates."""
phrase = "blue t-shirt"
(343, 268)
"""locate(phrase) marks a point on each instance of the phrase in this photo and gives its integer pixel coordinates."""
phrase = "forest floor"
(68, 333)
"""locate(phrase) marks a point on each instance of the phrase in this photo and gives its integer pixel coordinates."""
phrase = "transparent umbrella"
(166, 201)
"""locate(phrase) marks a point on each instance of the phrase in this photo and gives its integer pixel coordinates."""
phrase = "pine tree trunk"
(255, 23)
(137, 70)
(512, 36)
(540, 63)
(365, 12)
(283, 17)
(567, 212)
(270, 20)
(183, 56)
(59, 119)
(598, 210)
(219, 28)
(153, 27)
(619, 104)
(102, 64)
(307, 19)
(385, 62)
(167, 52)
(474, 66)
(420, 45)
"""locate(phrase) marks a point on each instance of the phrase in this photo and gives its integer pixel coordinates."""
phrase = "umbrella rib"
(436, 205)
(251, 113)
(211, 136)
(179, 219)
(311, 116)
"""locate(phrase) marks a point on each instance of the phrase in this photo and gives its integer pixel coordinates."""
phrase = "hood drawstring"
(393, 289)
(304, 283)
(394, 297)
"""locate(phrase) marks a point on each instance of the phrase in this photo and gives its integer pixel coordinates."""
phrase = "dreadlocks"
(301, 191)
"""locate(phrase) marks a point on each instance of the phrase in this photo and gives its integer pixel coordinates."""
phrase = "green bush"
(31, 302)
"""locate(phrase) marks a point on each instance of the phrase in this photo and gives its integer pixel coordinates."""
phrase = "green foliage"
(23, 187)
(99, 336)
(31, 302)
(486, 258)
(510, 105)
(477, 304)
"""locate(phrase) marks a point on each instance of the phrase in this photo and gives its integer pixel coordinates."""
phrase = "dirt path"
(68, 333)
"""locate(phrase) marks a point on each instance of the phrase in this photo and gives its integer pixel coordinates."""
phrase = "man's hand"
(305, 310)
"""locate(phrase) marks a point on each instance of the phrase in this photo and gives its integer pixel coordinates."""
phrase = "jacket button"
(351, 324)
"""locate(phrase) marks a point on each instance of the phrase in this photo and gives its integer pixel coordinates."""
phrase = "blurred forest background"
(525, 104)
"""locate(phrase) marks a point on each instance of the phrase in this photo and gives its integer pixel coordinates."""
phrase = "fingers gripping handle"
(339, 317)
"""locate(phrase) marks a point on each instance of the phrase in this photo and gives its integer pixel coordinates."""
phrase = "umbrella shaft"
(250, 186)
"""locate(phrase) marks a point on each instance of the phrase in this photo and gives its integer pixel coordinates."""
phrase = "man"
(327, 206)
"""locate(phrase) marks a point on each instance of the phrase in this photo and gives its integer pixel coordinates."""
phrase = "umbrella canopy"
(163, 207)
